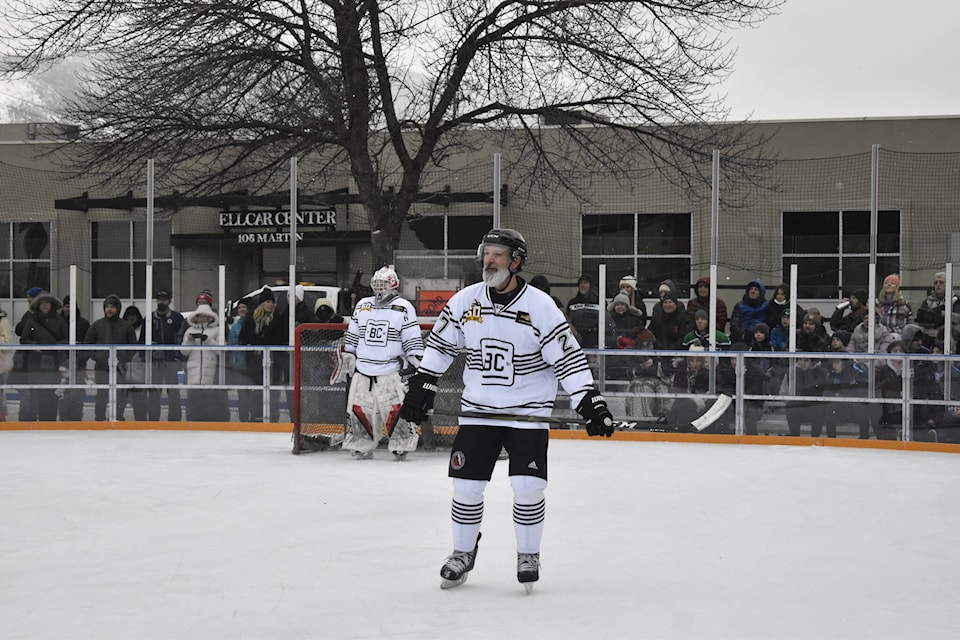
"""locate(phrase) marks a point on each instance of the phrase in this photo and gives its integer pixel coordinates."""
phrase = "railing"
(895, 396)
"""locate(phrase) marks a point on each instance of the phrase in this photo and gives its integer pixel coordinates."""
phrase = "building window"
(441, 247)
(24, 257)
(651, 246)
(832, 250)
(119, 259)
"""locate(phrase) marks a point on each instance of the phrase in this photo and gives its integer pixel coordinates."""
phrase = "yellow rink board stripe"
(558, 434)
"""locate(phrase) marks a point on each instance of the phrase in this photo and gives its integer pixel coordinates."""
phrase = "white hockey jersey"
(380, 335)
(515, 354)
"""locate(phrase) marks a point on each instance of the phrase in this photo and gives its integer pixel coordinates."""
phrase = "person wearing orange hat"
(895, 311)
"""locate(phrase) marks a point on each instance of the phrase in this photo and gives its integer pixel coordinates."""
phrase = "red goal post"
(320, 408)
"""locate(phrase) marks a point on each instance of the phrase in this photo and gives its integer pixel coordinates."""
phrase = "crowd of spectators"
(188, 355)
(640, 330)
(761, 323)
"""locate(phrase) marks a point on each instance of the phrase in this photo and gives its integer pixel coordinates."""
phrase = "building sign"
(253, 219)
(267, 237)
(266, 227)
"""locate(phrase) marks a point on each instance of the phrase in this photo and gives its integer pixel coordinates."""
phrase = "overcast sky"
(849, 59)
(828, 59)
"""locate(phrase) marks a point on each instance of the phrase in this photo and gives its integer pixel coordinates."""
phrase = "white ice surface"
(126, 535)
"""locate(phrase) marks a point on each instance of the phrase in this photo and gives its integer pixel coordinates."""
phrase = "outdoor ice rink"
(149, 534)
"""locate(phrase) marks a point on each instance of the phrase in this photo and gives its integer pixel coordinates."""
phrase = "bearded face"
(495, 276)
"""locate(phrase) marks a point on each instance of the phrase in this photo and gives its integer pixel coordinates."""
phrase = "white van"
(338, 297)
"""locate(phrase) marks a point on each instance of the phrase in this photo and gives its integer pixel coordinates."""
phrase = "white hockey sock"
(529, 511)
(466, 512)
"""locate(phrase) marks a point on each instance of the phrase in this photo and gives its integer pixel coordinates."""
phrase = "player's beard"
(496, 278)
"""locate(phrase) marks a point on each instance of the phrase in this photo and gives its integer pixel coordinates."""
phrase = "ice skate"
(528, 569)
(362, 455)
(457, 566)
(400, 456)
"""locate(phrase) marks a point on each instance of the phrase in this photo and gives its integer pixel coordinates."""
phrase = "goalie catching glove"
(419, 399)
(593, 408)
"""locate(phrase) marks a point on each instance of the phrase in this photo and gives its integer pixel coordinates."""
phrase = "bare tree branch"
(231, 89)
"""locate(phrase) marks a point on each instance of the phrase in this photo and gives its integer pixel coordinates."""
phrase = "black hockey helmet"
(508, 238)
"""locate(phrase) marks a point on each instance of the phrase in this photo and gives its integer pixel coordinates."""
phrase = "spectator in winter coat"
(236, 366)
(666, 287)
(325, 312)
(889, 383)
(751, 310)
(700, 336)
(110, 329)
(624, 324)
(849, 313)
(27, 411)
(135, 371)
(71, 402)
(809, 382)
(780, 334)
(809, 337)
(701, 300)
(671, 325)
(265, 326)
(779, 303)
(45, 326)
(583, 312)
(203, 336)
(628, 285)
(895, 311)
(167, 328)
(860, 338)
(931, 313)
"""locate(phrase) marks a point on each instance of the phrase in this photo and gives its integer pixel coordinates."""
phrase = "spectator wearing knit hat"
(895, 311)
(110, 329)
(167, 328)
(849, 313)
(667, 287)
(628, 287)
(810, 337)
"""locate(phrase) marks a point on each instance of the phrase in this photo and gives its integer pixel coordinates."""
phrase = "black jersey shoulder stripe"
(552, 334)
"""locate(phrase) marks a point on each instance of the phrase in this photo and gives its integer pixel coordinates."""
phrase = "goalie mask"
(510, 239)
(385, 284)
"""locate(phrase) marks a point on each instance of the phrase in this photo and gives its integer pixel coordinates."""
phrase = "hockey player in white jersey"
(383, 336)
(518, 346)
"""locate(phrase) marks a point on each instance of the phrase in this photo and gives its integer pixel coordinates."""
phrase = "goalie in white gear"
(382, 338)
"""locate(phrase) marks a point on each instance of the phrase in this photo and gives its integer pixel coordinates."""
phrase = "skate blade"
(528, 587)
(450, 584)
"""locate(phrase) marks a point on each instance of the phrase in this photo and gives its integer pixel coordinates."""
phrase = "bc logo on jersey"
(376, 333)
(496, 358)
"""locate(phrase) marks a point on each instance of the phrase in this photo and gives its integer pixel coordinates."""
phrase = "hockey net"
(320, 408)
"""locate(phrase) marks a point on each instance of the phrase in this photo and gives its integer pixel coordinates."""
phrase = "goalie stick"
(699, 424)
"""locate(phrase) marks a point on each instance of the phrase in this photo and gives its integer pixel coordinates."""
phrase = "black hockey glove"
(594, 410)
(419, 399)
